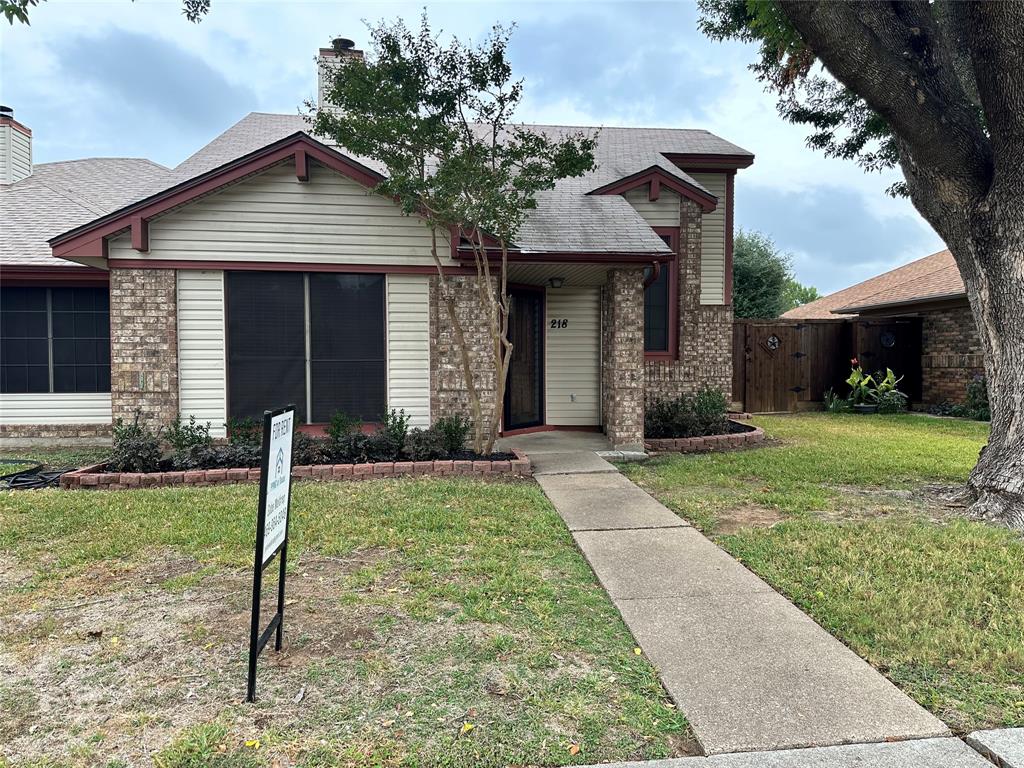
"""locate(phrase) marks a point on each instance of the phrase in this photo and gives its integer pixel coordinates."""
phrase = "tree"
(760, 276)
(439, 119)
(17, 10)
(937, 88)
(796, 294)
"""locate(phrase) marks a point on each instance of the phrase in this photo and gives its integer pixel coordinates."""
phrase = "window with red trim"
(661, 301)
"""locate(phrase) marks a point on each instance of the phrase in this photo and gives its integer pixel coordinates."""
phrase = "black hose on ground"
(33, 477)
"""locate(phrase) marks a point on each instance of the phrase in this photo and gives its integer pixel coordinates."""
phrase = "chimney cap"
(343, 44)
(6, 111)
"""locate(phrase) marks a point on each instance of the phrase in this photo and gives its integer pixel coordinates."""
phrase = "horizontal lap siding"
(573, 357)
(272, 216)
(15, 154)
(408, 313)
(663, 212)
(712, 245)
(55, 408)
(202, 376)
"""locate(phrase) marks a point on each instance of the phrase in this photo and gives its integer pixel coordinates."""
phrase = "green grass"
(933, 601)
(470, 601)
(55, 457)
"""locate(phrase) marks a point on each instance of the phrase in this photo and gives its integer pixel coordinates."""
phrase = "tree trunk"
(991, 261)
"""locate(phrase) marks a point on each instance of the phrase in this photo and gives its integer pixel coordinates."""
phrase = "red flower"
(854, 362)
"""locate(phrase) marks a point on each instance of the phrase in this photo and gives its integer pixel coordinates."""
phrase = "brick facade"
(705, 330)
(67, 434)
(144, 345)
(951, 354)
(448, 393)
(622, 373)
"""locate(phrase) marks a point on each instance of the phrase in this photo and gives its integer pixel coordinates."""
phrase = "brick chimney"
(15, 148)
(328, 61)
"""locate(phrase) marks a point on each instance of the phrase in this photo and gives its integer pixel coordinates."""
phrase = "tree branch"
(892, 55)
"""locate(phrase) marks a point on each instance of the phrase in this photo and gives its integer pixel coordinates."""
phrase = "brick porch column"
(144, 345)
(622, 374)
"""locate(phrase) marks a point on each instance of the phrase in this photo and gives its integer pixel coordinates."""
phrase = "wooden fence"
(781, 365)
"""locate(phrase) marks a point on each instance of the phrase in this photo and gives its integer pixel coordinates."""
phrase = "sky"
(135, 79)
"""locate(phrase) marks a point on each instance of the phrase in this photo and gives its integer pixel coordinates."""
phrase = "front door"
(524, 390)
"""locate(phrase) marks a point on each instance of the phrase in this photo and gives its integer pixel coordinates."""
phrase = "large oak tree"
(937, 88)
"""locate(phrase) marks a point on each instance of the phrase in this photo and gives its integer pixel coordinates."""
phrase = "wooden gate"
(787, 366)
(781, 365)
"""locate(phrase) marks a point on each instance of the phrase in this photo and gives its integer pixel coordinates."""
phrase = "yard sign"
(271, 529)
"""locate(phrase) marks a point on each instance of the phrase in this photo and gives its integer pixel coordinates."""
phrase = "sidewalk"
(748, 669)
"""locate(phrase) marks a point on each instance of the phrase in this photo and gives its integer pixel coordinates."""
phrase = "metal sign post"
(271, 529)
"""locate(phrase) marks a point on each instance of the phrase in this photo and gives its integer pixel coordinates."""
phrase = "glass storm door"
(524, 391)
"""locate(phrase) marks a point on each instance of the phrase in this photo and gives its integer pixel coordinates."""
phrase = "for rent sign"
(271, 529)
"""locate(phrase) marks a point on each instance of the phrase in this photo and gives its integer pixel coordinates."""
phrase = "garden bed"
(738, 436)
(96, 477)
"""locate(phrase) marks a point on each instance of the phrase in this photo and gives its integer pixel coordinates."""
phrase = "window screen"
(347, 347)
(266, 342)
(66, 329)
(24, 344)
(81, 339)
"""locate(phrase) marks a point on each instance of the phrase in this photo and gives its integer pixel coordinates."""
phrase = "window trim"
(672, 353)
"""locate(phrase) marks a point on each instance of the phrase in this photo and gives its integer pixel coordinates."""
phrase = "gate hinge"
(797, 389)
(799, 354)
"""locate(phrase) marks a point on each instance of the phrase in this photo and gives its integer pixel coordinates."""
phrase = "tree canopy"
(763, 283)
(17, 10)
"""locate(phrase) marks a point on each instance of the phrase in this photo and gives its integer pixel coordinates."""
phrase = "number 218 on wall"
(559, 322)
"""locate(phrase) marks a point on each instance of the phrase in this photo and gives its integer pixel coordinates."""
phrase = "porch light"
(556, 282)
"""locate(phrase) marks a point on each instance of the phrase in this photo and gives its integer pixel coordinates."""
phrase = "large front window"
(54, 340)
(313, 339)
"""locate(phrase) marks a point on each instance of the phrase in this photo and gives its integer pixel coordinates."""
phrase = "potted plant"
(863, 390)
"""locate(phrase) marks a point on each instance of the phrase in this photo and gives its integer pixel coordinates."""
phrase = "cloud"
(835, 237)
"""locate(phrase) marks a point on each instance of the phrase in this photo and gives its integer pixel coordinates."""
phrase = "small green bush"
(136, 448)
(395, 427)
(836, 404)
(703, 414)
(185, 436)
(425, 444)
(247, 431)
(976, 405)
(454, 431)
(891, 401)
(310, 450)
(342, 425)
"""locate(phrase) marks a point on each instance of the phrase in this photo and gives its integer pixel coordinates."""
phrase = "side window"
(660, 302)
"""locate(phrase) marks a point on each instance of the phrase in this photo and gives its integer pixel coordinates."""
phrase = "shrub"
(976, 406)
(703, 414)
(891, 401)
(136, 448)
(454, 431)
(310, 450)
(350, 449)
(184, 436)
(247, 431)
(217, 457)
(836, 404)
(426, 444)
(395, 426)
(342, 425)
(383, 445)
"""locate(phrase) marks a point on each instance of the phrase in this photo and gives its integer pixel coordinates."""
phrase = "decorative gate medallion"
(773, 342)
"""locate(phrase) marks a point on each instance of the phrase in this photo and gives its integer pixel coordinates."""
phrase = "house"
(264, 270)
(928, 299)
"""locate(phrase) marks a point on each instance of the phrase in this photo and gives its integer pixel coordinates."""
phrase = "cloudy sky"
(135, 79)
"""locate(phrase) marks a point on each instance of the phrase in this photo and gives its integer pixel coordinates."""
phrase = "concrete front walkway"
(748, 669)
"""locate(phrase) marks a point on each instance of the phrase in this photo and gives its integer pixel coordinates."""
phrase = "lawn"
(52, 457)
(846, 516)
(429, 622)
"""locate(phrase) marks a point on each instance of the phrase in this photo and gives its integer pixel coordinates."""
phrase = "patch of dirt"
(136, 662)
(13, 574)
(933, 502)
(743, 516)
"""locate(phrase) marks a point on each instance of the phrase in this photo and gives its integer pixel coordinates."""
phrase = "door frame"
(514, 288)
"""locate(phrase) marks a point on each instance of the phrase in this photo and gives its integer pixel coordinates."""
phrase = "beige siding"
(712, 247)
(663, 212)
(573, 357)
(202, 379)
(15, 155)
(55, 408)
(408, 301)
(272, 216)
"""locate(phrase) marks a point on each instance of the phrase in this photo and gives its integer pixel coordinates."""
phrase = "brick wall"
(144, 344)
(951, 354)
(622, 342)
(448, 393)
(68, 434)
(705, 331)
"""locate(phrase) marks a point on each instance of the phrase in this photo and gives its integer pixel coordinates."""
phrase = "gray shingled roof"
(566, 219)
(59, 196)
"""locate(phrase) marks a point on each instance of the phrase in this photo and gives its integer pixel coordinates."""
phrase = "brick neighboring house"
(931, 292)
(263, 270)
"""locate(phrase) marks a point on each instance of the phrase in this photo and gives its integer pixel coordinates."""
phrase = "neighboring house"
(263, 270)
(929, 293)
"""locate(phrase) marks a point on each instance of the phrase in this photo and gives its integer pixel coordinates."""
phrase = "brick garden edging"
(751, 436)
(94, 478)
